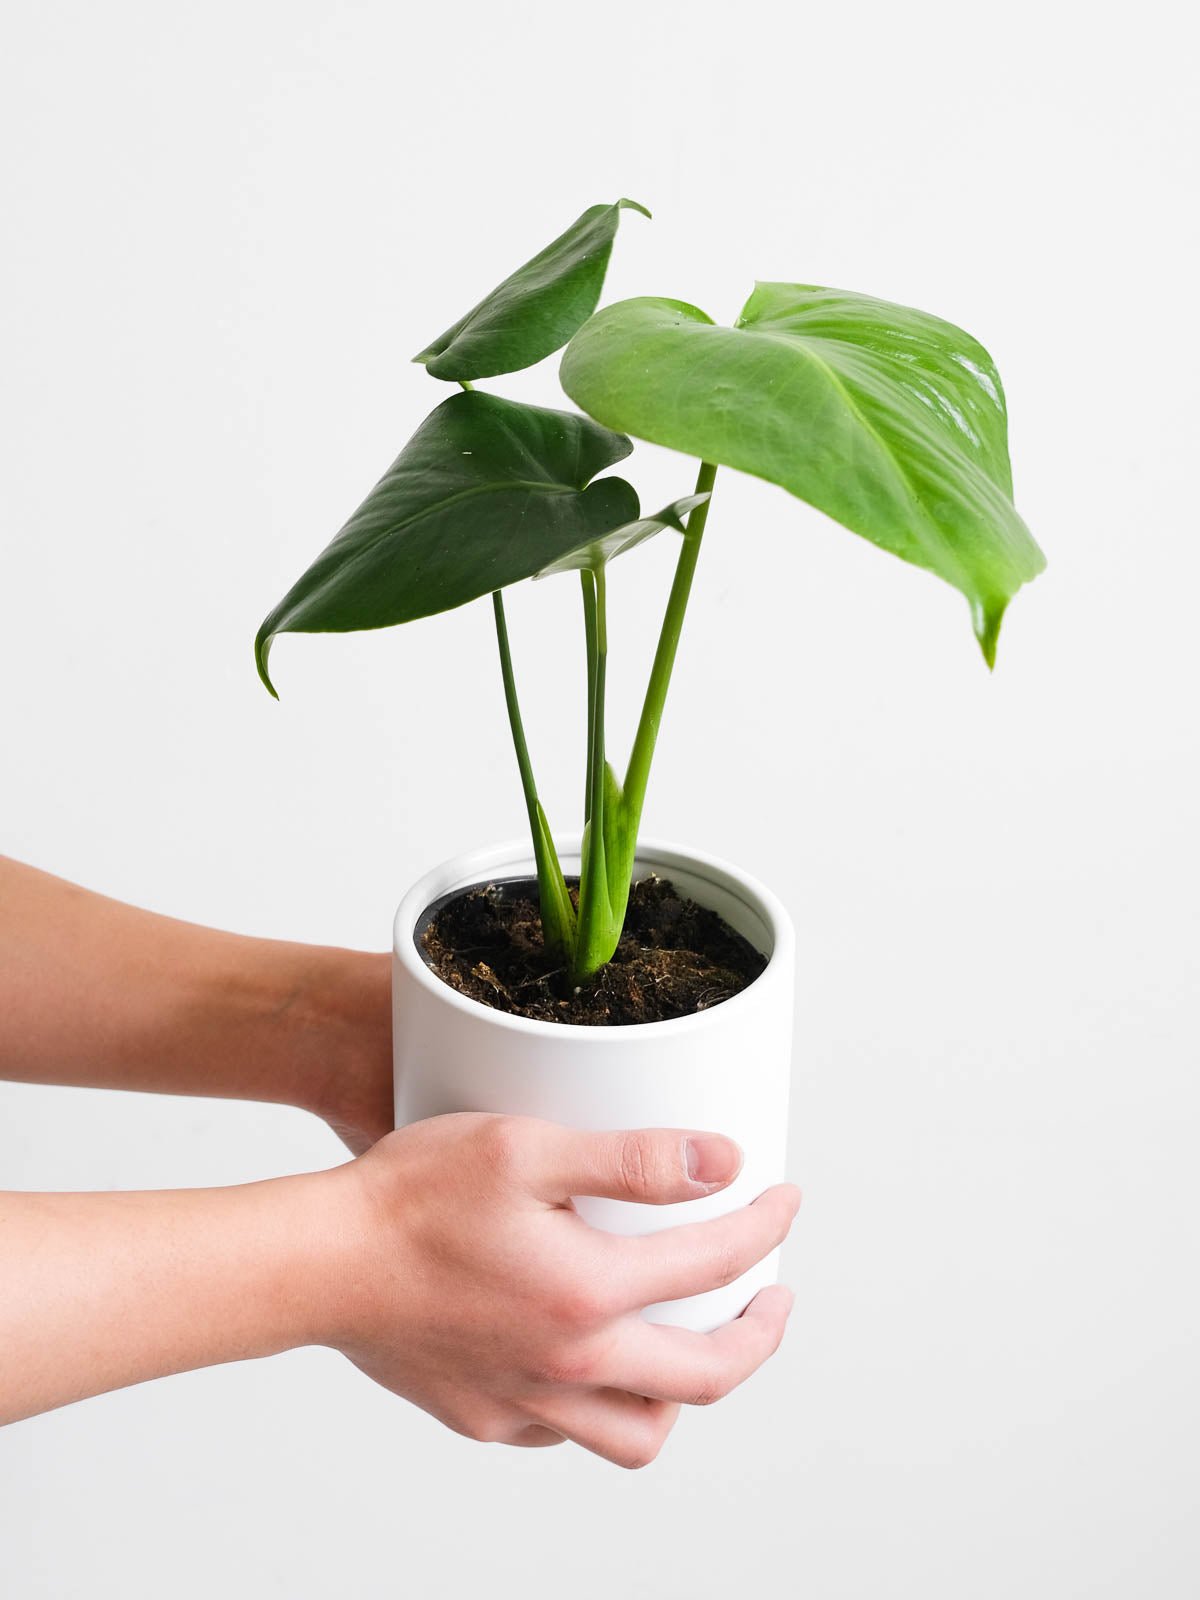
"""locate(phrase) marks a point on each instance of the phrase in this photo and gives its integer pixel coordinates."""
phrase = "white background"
(227, 229)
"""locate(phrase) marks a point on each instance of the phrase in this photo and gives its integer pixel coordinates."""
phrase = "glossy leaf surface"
(887, 419)
(536, 309)
(603, 550)
(485, 493)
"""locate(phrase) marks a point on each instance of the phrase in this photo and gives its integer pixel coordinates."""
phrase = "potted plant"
(599, 979)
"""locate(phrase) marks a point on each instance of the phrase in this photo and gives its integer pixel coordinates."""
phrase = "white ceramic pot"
(725, 1070)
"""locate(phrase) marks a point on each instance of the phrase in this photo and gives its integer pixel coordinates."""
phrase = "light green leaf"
(534, 311)
(485, 493)
(887, 419)
(600, 551)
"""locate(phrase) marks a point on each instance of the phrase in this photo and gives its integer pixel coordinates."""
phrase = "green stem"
(596, 937)
(514, 709)
(638, 772)
(465, 383)
(589, 630)
(558, 915)
(596, 702)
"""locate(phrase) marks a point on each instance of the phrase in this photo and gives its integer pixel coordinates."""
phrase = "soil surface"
(674, 958)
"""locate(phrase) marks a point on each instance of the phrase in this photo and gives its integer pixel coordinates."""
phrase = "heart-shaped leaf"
(485, 493)
(534, 311)
(887, 419)
(603, 550)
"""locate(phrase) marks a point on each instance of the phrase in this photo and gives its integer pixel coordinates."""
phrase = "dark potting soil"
(674, 957)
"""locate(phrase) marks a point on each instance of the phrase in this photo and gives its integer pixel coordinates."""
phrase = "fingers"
(650, 1373)
(657, 1166)
(700, 1368)
(625, 1429)
(704, 1255)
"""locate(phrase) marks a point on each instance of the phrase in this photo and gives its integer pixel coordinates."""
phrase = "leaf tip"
(986, 617)
(262, 649)
(634, 205)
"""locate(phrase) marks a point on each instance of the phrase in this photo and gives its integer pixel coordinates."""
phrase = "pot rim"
(477, 865)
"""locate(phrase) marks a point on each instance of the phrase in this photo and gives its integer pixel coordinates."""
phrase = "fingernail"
(711, 1160)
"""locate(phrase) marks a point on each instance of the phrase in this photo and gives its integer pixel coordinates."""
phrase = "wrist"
(330, 1277)
(345, 1061)
(303, 1235)
(302, 1025)
(342, 1013)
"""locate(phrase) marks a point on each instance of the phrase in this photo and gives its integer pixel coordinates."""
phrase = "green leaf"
(485, 493)
(887, 419)
(600, 551)
(535, 311)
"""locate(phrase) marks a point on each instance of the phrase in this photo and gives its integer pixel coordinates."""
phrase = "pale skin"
(445, 1260)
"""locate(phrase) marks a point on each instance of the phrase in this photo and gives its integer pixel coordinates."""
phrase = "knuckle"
(642, 1446)
(483, 1430)
(502, 1146)
(565, 1364)
(635, 1162)
(578, 1305)
(566, 1367)
(711, 1389)
(573, 1361)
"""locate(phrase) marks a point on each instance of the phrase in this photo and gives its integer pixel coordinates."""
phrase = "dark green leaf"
(485, 493)
(535, 311)
(887, 419)
(600, 551)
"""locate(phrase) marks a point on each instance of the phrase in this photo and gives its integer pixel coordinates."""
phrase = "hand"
(476, 1291)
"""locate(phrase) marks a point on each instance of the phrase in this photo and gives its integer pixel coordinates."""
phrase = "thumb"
(656, 1166)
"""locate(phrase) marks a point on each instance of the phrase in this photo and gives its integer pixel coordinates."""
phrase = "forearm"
(99, 1291)
(97, 993)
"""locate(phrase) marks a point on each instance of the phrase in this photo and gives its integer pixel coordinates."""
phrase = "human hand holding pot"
(479, 1294)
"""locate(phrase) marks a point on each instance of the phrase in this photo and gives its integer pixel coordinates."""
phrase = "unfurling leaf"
(598, 552)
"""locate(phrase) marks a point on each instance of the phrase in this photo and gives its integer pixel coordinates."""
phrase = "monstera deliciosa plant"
(889, 420)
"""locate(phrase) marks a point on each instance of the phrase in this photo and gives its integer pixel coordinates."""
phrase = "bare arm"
(98, 1291)
(100, 994)
(447, 1263)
